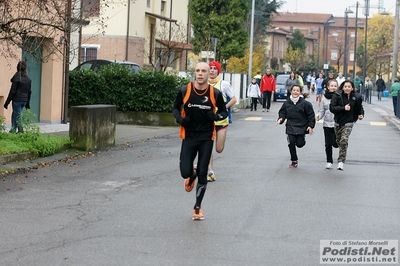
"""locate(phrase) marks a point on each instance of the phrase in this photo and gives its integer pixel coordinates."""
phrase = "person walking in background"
(394, 91)
(320, 89)
(308, 80)
(221, 126)
(380, 87)
(340, 79)
(325, 82)
(197, 106)
(292, 80)
(313, 85)
(347, 107)
(329, 122)
(358, 83)
(268, 84)
(258, 78)
(300, 120)
(368, 88)
(253, 92)
(19, 95)
(300, 79)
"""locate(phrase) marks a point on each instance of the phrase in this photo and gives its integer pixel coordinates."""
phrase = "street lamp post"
(346, 48)
(214, 42)
(365, 47)
(319, 44)
(326, 30)
(396, 40)
(355, 43)
(251, 43)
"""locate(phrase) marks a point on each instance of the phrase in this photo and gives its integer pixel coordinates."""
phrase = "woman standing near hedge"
(20, 95)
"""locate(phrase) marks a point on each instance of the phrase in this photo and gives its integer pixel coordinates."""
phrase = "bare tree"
(33, 25)
(168, 46)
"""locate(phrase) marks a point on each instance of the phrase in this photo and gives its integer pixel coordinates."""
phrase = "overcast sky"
(335, 7)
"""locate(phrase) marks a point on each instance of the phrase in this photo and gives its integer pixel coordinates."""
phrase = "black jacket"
(20, 88)
(380, 85)
(299, 116)
(337, 107)
(325, 82)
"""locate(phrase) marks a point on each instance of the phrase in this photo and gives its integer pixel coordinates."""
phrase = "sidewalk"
(384, 108)
(125, 134)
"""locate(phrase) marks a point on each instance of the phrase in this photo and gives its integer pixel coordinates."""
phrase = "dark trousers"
(189, 150)
(16, 120)
(266, 99)
(330, 142)
(380, 95)
(394, 98)
(293, 142)
(254, 103)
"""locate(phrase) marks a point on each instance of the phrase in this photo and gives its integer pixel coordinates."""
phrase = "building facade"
(329, 35)
(148, 32)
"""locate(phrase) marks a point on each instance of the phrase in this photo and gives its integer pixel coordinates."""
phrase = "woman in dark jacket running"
(346, 105)
(300, 117)
(20, 95)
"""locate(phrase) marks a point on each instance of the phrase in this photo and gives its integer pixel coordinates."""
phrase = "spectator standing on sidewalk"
(197, 106)
(395, 88)
(368, 88)
(347, 107)
(268, 84)
(19, 95)
(380, 87)
(358, 83)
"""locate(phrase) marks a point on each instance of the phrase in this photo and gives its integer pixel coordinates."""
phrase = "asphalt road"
(128, 206)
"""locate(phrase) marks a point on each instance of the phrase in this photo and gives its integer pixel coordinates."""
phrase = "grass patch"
(31, 140)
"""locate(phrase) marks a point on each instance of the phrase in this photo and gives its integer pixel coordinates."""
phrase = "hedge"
(147, 91)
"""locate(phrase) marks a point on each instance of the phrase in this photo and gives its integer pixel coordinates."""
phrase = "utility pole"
(251, 42)
(396, 42)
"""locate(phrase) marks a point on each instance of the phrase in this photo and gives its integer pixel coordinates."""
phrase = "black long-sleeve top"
(197, 108)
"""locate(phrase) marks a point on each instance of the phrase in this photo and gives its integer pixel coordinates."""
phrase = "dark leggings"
(189, 150)
(293, 141)
(254, 103)
(330, 141)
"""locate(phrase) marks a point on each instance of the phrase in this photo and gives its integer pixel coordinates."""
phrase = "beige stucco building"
(137, 31)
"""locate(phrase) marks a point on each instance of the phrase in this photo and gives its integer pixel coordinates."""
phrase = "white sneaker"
(263, 110)
(328, 166)
(340, 166)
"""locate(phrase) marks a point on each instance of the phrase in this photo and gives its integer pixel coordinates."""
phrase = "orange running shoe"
(197, 214)
(189, 186)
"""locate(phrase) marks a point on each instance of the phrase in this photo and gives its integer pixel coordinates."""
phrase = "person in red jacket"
(268, 84)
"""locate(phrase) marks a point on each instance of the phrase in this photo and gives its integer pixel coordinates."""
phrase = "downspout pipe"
(127, 31)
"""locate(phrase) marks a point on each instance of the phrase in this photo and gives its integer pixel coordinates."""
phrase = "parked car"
(280, 90)
(96, 64)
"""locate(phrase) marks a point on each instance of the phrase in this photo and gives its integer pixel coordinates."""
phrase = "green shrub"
(147, 91)
(31, 140)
